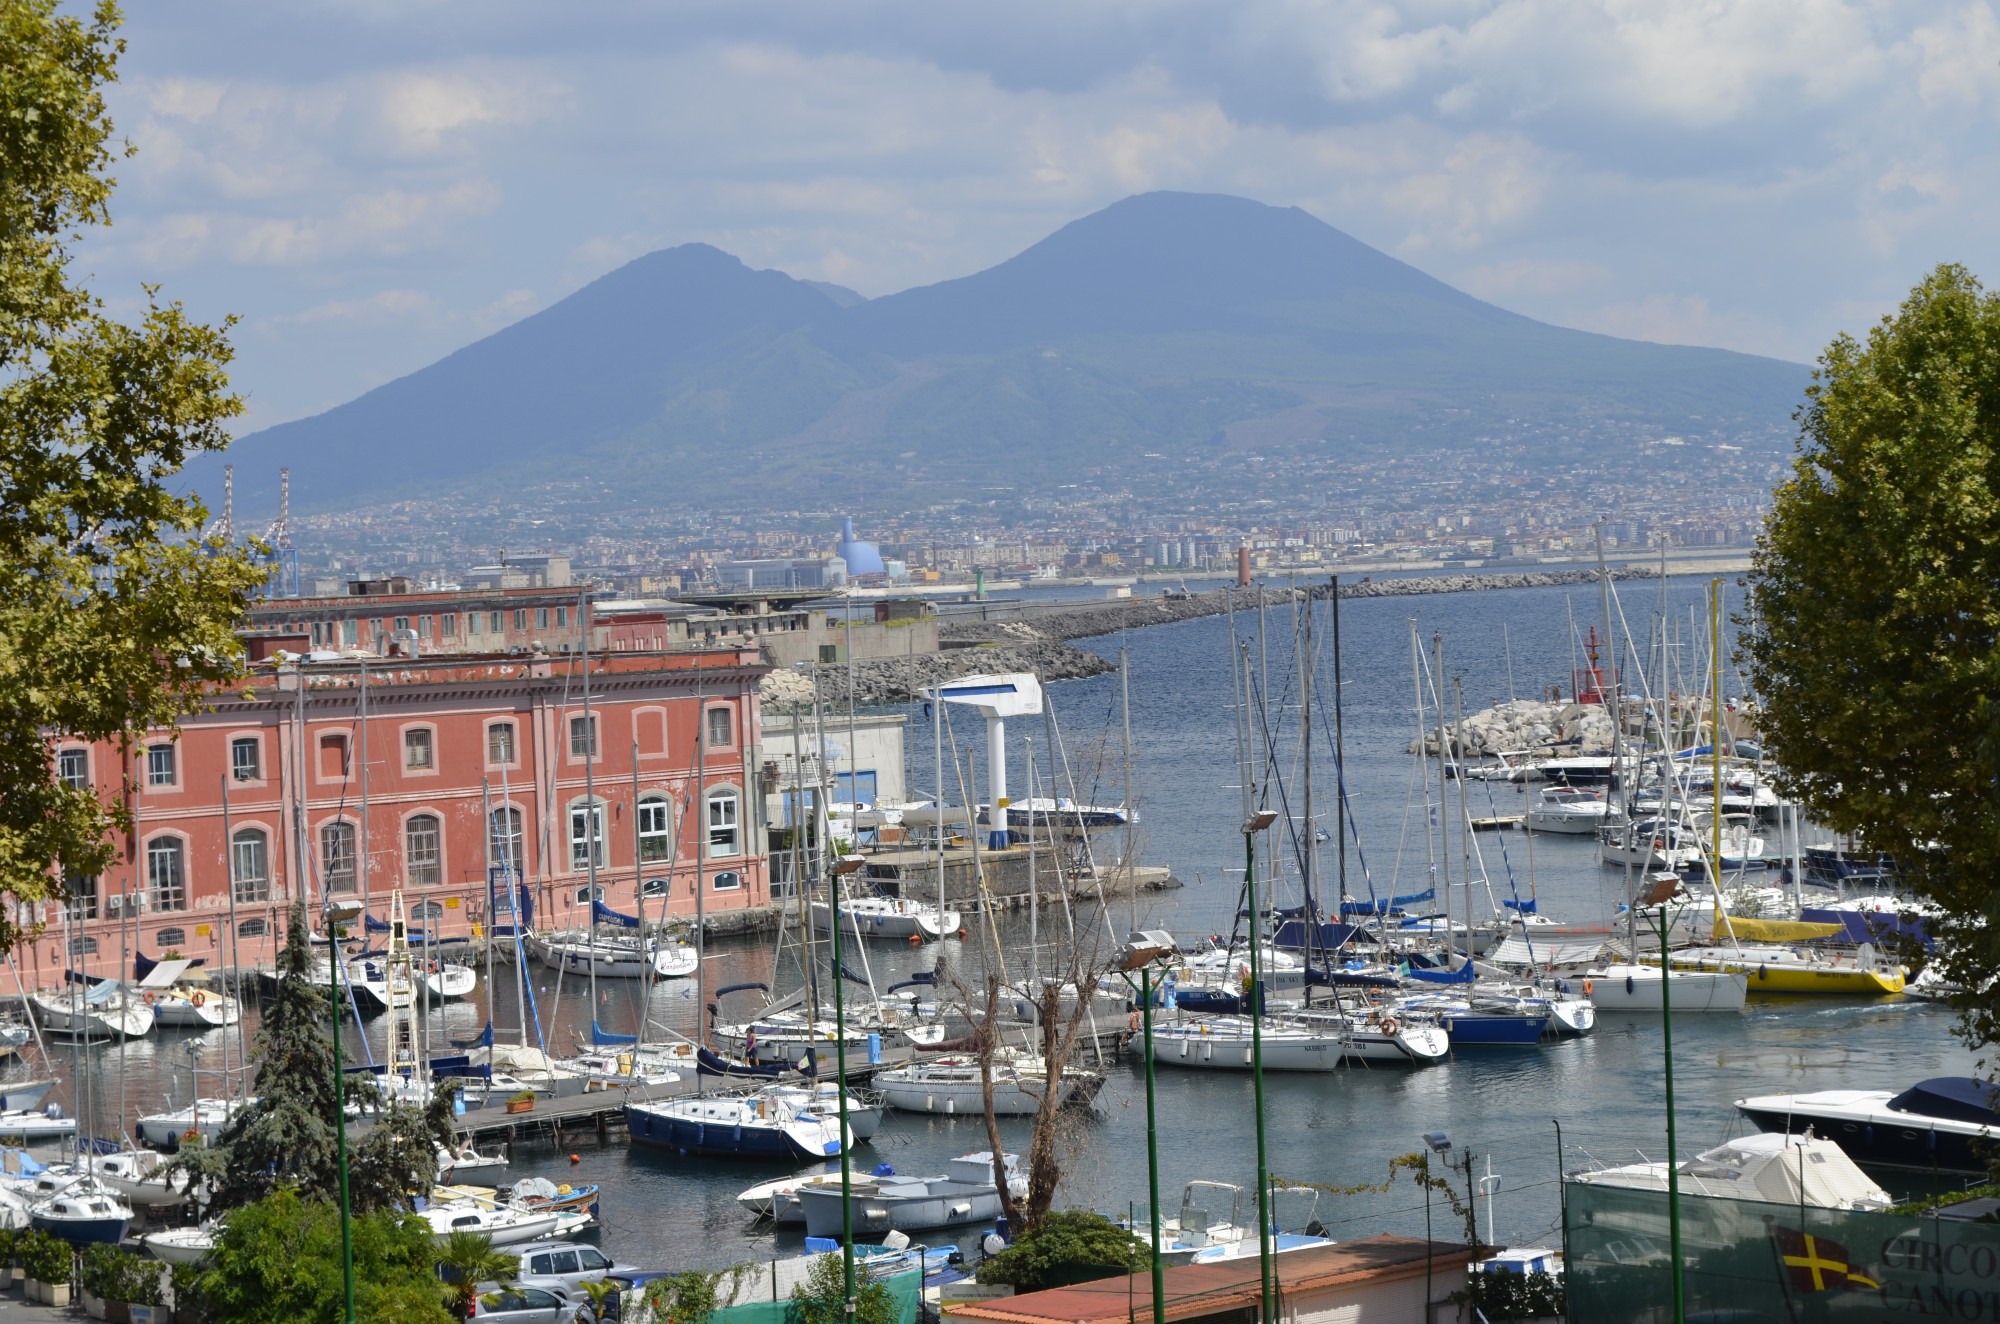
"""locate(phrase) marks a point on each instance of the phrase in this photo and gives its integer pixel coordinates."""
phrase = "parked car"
(563, 1267)
(516, 1304)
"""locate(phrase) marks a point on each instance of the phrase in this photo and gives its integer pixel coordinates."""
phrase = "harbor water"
(1336, 1130)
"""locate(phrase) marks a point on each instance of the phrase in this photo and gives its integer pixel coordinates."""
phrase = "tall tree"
(1874, 631)
(115, 616)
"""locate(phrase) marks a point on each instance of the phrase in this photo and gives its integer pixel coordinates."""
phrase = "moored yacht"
(1945, 1122)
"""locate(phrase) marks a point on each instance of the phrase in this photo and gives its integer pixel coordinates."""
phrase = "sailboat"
(954, 1084)
(896, 919)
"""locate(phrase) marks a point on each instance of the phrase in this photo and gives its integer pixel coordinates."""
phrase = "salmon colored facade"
(470, 762)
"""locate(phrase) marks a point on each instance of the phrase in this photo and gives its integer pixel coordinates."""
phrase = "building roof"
(1195, 1290)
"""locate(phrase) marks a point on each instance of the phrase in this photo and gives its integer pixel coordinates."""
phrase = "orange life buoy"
(1389, 1026)
(150, 999)
(200, 999)
(1133, 1022)
(1589, 987)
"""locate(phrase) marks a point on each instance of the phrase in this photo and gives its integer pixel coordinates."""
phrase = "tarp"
(1383, 905)
(1745, 929)
(600, 1035)
(1958, 1098)
(164, 973)
(1465, 974)
(1859, 926)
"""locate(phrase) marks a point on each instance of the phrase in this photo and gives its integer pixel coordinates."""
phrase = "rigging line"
(978, 861)
(1089, 855)
(1353, 826)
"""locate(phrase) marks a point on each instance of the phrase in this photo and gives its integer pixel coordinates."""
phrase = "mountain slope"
(1164, 323)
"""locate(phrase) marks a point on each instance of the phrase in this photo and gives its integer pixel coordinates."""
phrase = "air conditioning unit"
(115, 905)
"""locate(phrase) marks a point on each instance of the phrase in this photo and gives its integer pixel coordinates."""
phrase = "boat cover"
(1744, 929)
(1955, 1098)
(604, 914)
(1465, 974)
(600, 1035)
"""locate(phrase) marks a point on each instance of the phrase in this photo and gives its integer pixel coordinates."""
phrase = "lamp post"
(842, 867)
(1438, 1143)
(1256, 823)
(1143, 951)
(335, 915)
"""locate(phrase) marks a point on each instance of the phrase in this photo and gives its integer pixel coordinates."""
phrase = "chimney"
(1243, 567)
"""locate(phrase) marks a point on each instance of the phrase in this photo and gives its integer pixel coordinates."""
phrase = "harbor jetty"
(1035, 636)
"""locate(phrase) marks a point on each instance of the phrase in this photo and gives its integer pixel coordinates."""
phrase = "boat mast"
(1125, 713)
(1618, 783)
(593, 813)
(700, 876)
(1444, 799)
(1430, 841)
(647, 972)
(1034, 886)
(808, 968)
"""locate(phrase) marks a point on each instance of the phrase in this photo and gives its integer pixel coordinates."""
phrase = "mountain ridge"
(1159, 323)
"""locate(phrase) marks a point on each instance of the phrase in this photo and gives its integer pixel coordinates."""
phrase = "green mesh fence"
(1746, 1262)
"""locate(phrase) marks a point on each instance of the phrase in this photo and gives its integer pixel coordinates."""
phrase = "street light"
(1438, 1143)
(1145, 950)
(336, 914)
(843, 866)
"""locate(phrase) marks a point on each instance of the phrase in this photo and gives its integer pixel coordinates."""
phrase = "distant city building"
(782, 572)
(384, 616)
(861, 558)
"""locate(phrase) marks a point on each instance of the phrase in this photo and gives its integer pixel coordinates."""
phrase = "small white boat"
(778, 1200)
(1378, 1033)
(206, 1118)
(29, 1127)
(674, 960)
(179, 995)
(181, 1245)
(617, 1068)
(499, 1224)
(1795, 1170)
(140, 1176)
(897, 918)
(1224, 1043)
(1573, 811)
(467, 1166)
(966, 1193)
(24, 1095)
(1637, 989)
(1197, 1230)
(448, 982)
(1650, 843)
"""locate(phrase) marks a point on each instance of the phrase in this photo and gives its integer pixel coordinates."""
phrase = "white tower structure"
(999, 698)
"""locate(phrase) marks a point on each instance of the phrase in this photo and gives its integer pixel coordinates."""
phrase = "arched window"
(252, 928)
(656, 831)
(250, 864)
(655, 888)
(423, 851)
(725, 835)
(586, 835)
(166, 873)
(427, 912)
(503, 840)
(336, 856)
(169, 939)
(728, 880)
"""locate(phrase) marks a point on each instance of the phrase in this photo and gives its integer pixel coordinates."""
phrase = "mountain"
(1166, 324)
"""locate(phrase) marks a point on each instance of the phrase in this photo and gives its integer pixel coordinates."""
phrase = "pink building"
(462, 766)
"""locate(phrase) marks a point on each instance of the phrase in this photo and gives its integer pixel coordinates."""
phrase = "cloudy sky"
(370, 184)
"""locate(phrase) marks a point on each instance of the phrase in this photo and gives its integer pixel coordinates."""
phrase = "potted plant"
(8, 1272)
(47, 1260)
(523, 1102)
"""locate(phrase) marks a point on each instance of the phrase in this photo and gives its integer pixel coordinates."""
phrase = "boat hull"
(1808, 980)
(1636, 991)
(652, 1128)
(874, 1212)
(83, 1231)
(1510, 1031)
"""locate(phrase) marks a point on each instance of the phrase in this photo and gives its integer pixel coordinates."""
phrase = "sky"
(371, 184)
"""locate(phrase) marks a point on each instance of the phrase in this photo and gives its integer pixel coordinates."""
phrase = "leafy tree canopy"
(1874, 631)
(278, 1261)
(1065, 1242)
(822, 1297)
(114, 616)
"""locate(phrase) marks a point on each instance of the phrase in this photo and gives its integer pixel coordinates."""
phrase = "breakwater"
(1036, 637)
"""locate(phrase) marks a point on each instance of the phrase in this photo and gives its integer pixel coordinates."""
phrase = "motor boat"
(85, 1213)
(1196, 1230)
(754, 1125)
(29, 1127)
(1941, 1123)
(896, 918)
(24, 1095)
(965, 1193)
(447, 981)
(674, 959)
(467, 1165)
(951, 1085)
(778, 1201)
(500, 1224)
(207, 1118)
(1572, 810)
(1772, 1167)
(1650, 844)
(1638, 989)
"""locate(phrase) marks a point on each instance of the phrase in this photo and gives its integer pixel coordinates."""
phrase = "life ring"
(1389, 1026)
(191, 1135)
(1589, 987)
(150, 999)
(1133, 1022)
(434, 967)
(199, 998)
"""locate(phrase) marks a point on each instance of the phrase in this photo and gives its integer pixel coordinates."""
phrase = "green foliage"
(1507, 1296)
(1069, 1239)
(116, 1274)
(1874, 626)
(114, 617)
(688, 1297)
(278, 1261)
(397, 1157)
(822, 1298)
(467, 1259)
(44, 1256)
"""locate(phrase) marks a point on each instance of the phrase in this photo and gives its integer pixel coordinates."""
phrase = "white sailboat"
(106, 1010)
(953, 1085)
(1621, 987)
(894, 918)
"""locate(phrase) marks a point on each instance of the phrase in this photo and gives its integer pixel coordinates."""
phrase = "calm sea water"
(1337, 1130)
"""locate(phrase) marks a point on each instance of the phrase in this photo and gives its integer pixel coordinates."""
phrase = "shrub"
(1071, 1240)
(1507, 1296)
(115, 1274)
(45, 1257)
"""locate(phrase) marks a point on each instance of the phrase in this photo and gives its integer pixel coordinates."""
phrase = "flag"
(1814, 1264)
